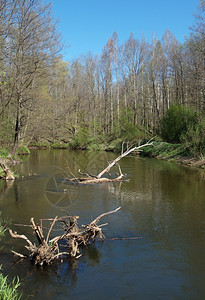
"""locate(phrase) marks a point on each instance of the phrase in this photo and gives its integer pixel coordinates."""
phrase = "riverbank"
(177, 153)
(8, 160)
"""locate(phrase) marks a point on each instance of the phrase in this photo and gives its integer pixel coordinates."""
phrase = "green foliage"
(22, 150)
(194, 138)
(115, 145)
(2, 173)
(97, 143)
(176, 123)
(81, 139)
(58, 145)
(127, 130)
(124, 131)
(166, 150)
(96, 147)
(9, 291)
(6, 130)
(182, 125)
(4, 153)
(40, 144)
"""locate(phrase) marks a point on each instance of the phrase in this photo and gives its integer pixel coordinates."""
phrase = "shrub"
(195, 138)
(81, 139)
(22, 150)
(176, 123)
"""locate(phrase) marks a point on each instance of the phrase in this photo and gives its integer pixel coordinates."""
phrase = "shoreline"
(171, 153)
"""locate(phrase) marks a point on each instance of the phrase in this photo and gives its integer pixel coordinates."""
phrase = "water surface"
(163, 203)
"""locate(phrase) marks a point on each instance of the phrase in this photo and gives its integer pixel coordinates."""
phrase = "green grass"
(96, 147)
(4, 153)
(2, 173)
(9, 291)
(166, 150)
(22, 150)
(57, 145)
(40, 144)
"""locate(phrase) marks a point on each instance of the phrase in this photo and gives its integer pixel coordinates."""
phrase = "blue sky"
(86, 25)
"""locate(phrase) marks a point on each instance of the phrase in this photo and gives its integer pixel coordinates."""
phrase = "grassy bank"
(178, 153)
(7, 159)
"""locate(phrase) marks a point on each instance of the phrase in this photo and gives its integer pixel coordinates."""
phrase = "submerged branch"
(123, 154)
(74, 237)
(90, 179)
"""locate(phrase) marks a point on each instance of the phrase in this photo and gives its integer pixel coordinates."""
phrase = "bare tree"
(30, 47)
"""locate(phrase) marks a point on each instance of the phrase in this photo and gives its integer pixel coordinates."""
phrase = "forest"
(131, 91)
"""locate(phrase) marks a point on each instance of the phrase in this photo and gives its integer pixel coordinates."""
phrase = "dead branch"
(7, 171)
(101, 180)
(46, 252)
(73, 235)
(18, 236)
(127, 152)
(84, 235)
(38, 232)
(103, 215)
(18, 254)
(51, 227)
(90, 179)
(86, 174)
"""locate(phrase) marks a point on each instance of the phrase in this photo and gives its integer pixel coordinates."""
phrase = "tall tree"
(30, 48)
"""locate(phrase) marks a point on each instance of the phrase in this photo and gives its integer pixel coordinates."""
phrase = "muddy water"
(163, 204)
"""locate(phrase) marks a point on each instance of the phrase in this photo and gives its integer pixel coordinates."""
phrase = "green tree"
(176, 123)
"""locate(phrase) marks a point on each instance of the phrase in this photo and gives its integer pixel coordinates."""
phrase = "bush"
(81, 139)
(22, 150)
(195, 138)
(176, 123)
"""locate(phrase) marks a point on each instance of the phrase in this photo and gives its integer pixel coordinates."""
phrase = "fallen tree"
(73, 238)
(90, 178)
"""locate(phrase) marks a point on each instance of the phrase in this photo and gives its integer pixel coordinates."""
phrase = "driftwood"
(7, 171)
(43, 254)
(73, 238)
(90, 178)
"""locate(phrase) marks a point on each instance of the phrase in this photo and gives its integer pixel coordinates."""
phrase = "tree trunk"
(7, 171)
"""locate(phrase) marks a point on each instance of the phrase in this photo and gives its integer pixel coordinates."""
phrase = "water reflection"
(5, 186)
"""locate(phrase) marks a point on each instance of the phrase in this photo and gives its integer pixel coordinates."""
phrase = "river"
(162, 203)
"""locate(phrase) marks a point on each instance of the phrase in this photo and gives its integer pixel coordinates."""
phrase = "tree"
(30, 47)
(195, 59)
